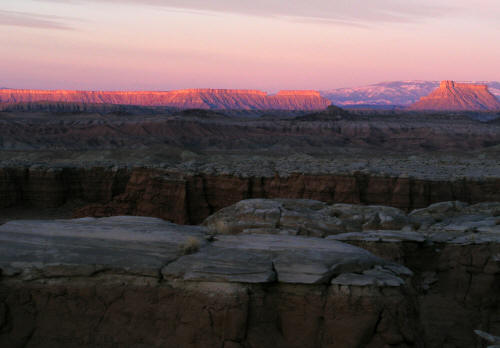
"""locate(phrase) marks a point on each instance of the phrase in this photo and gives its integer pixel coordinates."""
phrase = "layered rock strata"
(228, 99)
(205, 131)
(190, 198)
(143, 282)
(261, 273)
(452, 96)
(452, 248)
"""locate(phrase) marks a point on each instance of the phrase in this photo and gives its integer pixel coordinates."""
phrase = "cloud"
(351, 12)
(30, 20)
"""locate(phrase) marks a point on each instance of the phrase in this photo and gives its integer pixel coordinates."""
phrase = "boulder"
(439, 210)
(369, 217)
(303, 217)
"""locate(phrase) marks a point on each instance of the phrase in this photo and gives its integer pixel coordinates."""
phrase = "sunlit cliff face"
(187, 98)
(453, 96)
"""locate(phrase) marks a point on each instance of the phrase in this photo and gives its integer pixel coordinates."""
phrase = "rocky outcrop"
(189, 198)
(303, 217)
(254, 276)
(451, 222)
(125, 281)
(452, 96)
(229, 99)
(452, 248)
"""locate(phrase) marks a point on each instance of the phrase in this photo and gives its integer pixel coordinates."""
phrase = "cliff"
(132, 282)
(452, 96)
(261, 273)
(225, 99)
(190, 198)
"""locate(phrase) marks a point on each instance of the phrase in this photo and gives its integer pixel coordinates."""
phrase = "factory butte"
(452, 96)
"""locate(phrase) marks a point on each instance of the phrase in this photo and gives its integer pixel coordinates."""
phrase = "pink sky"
(268, 45)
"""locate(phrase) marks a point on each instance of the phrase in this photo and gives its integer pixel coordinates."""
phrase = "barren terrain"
(62, 164)
(331, 229)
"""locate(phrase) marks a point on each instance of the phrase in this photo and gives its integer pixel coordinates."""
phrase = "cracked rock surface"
(260, 273)
(148, 246)
(450, 222)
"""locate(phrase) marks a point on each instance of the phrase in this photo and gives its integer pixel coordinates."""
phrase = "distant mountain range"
(220, 99)
(384, 95)
(401, 93)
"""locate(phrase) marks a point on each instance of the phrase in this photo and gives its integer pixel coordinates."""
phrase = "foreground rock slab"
(269, 258)
(144, 282)
(83, 247)
(260, 273)
(452, 248)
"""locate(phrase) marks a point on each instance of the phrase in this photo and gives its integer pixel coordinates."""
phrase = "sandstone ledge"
(154, 248)
(446, 222)
(261, 273)
(144, 282)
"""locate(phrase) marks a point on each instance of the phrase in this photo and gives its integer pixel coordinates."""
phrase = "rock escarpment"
(452, 96)
(127, 281)
(191, 198)
(188, 198)
(452, 248)
(261, 273)
(229, 99)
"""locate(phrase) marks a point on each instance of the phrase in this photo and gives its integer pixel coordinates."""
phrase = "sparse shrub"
(190, 245)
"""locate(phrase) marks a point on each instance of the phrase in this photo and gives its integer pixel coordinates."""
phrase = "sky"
(259, 44)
